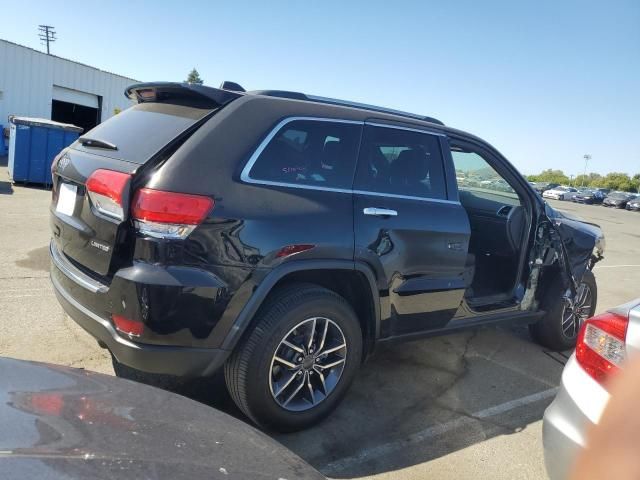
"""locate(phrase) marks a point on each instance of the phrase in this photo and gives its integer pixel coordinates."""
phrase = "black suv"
(282, 236)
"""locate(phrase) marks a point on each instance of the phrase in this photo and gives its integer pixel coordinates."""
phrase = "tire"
(549, 331)
(252, 369)
(166, 382)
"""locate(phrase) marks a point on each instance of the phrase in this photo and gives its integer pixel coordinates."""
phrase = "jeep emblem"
(63, 162)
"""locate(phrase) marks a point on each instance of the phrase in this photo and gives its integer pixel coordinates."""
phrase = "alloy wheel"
(307, 364)
(576, 311)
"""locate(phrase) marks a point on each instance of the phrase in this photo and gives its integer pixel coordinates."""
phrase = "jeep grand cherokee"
(281, 237)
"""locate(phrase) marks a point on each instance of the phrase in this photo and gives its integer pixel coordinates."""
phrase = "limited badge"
(100, 246)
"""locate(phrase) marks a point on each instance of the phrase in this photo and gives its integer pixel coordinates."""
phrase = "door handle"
(380, 212)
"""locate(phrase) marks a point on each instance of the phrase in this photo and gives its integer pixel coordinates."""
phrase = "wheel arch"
(351, 280)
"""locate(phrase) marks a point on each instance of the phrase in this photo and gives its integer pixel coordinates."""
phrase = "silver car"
(602, 346)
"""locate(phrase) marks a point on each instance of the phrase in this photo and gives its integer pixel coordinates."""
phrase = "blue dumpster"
(33, 143)
(3, 146)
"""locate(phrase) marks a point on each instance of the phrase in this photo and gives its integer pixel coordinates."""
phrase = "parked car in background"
(540, 187)
(618, 199)
(560, 193)
(590, 197)
(634, 204)
(319, 229)
(601, 350)
(605, 191)
(62, 423)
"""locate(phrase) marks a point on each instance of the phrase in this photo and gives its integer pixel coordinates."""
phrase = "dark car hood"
(583, 241)
(62, 423)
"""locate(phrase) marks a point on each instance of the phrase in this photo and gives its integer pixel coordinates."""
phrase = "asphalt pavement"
(463, 406)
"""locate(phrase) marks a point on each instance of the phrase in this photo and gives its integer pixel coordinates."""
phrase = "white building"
(34, 84)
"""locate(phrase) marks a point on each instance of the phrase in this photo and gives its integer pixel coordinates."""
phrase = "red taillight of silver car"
(601, 347)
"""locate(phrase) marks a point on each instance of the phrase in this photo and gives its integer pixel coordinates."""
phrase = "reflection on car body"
(62, 423)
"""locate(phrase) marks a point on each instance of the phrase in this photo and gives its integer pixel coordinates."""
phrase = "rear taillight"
(601, 347)
(133, 328)
(106, 190)
(161, 214)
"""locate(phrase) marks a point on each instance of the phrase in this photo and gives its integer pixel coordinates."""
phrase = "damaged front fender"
(582, 243)
(567, 243)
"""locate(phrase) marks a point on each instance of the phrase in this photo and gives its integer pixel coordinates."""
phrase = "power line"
(47, 35)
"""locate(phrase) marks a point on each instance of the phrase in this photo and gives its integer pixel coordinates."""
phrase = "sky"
(544, 82)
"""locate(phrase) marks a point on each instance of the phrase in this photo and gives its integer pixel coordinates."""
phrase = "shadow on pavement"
(6, 188)
(415, 402)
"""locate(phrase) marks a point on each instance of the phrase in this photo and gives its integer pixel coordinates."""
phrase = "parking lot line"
(44, 294)
(434, 431)
(598, 267)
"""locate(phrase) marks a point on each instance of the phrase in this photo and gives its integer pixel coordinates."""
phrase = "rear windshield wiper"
(93, 142)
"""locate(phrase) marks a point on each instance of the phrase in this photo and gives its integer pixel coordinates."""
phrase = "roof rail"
(344, 103)
(281, 94)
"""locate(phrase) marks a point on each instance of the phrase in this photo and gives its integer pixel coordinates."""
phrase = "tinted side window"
(310, 152)
(401, 162)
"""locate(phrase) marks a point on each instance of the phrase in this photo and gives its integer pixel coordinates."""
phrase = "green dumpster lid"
(43, 122)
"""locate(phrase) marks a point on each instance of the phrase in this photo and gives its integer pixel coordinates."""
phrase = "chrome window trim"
(409, 129)
(244, 175)
(405, 197)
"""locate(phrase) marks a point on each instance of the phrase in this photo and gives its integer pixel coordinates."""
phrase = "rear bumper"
(90, 305)
(578, 405)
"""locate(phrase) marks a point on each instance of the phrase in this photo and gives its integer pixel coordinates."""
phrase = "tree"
(550, 176)
(194, 77)
(614, 180)
(617, 181)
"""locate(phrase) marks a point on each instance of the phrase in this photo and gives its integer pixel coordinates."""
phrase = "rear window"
(142, 130)
(310, 152)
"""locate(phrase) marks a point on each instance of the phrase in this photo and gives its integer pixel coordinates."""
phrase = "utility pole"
(47, 35)
(586, 157)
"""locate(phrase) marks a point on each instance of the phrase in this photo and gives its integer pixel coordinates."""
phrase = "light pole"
(586, 157)
(571, 180)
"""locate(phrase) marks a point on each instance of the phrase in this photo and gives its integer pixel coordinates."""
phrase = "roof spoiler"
(189, 94)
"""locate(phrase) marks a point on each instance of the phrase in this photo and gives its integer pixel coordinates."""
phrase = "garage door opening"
(65, 112)
(75, 107)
